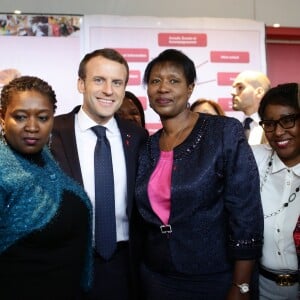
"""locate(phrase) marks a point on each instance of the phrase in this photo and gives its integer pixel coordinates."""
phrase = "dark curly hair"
(26, 83)
(287, 94)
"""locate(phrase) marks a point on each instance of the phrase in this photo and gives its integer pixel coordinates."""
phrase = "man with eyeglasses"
(248, 89)
(279, 168)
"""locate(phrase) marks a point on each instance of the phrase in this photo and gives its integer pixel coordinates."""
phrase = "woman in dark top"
(45, 217)
(197, 193)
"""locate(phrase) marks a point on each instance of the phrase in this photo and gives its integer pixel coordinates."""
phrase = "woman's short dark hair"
(177, 58)
(286, 94)
(26, 83)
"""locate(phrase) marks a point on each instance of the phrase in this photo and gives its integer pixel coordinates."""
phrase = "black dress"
(48, 263)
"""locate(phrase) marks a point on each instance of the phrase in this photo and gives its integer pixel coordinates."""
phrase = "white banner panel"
(220, 49)
(51, 47)
(44, 46)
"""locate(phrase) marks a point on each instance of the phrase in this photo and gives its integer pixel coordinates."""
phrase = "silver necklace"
(291, 198)
(177, 136)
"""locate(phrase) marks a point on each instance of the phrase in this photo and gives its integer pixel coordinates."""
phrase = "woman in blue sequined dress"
(197, 192)
(45, 217)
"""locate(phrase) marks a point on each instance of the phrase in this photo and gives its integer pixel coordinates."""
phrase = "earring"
(49, 141)
(2, 135)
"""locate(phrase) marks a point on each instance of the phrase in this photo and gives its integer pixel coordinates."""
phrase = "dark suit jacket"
(216, 212)
(64, 149)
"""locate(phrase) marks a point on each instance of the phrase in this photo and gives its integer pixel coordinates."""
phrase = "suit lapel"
(68, 141)
(130, 153)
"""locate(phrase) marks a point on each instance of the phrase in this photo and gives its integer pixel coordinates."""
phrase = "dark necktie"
(247, 123)
(105, 221)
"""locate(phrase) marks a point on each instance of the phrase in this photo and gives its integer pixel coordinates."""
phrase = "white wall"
(285, 12)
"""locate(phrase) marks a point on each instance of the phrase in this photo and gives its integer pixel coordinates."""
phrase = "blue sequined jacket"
(30, 196)
(216, 214)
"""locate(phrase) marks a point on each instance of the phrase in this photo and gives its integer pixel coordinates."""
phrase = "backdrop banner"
(220, 49)
(51, 47)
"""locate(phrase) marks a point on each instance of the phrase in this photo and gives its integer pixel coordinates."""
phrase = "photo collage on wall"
(38, 25)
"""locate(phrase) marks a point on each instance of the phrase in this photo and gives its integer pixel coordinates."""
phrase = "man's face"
(243, 95)
(103, 88)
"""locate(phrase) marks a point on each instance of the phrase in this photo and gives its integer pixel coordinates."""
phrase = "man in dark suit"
(103, 75)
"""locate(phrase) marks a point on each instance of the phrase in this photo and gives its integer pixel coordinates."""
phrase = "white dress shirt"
(278, 183)
(256, 131)
(86, 142)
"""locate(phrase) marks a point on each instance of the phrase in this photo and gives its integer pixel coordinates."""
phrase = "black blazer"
(64, 149)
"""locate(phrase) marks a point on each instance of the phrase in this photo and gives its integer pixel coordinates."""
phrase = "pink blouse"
(159, 187)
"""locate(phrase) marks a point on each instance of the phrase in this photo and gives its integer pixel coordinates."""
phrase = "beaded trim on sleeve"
(245, 244)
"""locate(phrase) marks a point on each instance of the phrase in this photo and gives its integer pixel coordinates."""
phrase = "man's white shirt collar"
(255, 117)
(86, 123)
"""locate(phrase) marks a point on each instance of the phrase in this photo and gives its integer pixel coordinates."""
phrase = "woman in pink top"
(200, 216)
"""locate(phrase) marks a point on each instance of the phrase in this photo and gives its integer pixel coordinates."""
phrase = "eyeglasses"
(285, 122)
